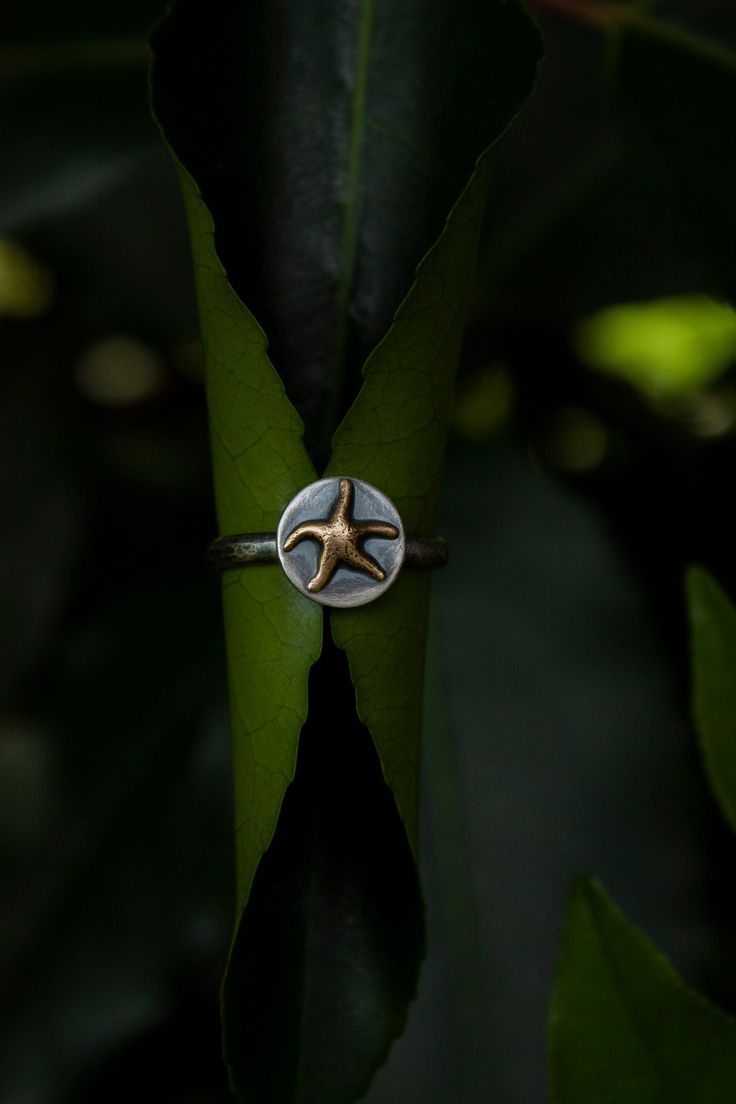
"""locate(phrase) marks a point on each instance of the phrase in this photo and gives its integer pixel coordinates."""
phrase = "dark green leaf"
(72, 107)
(632, 199)
(394, 436)
(677, 83)
(273, 633)
(713, 628)
(328, 142)
(327, 955)
(624, 1028)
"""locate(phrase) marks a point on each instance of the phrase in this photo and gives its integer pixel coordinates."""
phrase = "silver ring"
(340, 541)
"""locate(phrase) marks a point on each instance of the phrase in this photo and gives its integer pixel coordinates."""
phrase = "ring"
(326, 552)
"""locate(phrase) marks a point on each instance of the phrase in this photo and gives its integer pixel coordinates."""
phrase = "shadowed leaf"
(394, 436)
(624, 1029)
(327, 955)
(677, 83)
(328, 143)
(713, 628)
(395, 433)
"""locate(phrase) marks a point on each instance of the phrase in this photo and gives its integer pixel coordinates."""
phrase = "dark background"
(557, 736)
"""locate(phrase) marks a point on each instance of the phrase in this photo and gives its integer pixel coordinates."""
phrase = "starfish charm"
(339, 536)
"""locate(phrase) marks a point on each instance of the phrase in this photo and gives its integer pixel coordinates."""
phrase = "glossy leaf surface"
(624, 1028)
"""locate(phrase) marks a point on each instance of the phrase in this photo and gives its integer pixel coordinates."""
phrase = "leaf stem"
(611, 17)
(598, 13)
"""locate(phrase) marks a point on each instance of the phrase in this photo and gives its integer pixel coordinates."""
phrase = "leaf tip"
(698, 582)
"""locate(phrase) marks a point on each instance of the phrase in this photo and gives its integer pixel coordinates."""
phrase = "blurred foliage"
(331, 247)
(25, 287)
(624, 1029)
(713, 627)
(666, 347)
(557, 735)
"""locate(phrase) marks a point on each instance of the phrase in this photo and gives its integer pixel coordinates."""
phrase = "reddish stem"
(598, 13)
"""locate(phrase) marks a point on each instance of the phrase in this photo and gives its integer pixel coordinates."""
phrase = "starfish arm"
(309, 530)
(343, 507)
(325, 571)
(366, 563)
(379, 529)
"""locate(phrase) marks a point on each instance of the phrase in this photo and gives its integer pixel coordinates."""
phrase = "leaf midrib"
(348, 237)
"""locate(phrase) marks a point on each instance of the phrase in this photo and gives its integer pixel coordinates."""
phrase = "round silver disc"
(341, 541)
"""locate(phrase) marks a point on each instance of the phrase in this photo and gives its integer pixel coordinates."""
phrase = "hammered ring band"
(340, 542)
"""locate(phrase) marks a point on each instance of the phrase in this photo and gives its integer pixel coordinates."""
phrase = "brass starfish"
(339, 535)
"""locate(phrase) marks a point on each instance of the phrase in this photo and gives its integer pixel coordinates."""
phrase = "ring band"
(340, 541)
(244, 549)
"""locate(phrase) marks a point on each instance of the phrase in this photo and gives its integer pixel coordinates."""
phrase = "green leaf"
(713, 629)
(394, 436)
(327, 954)
(328, 142)
(273, 633)
(624, 1029)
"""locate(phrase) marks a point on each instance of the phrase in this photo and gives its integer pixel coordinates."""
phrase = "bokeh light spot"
(119, 371)
(27, 784)
(483, 403)
(26, 288)
(666, 347)
(712, 414)
(573, 440)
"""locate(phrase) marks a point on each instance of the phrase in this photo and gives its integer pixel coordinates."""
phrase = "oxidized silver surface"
(341, 541)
